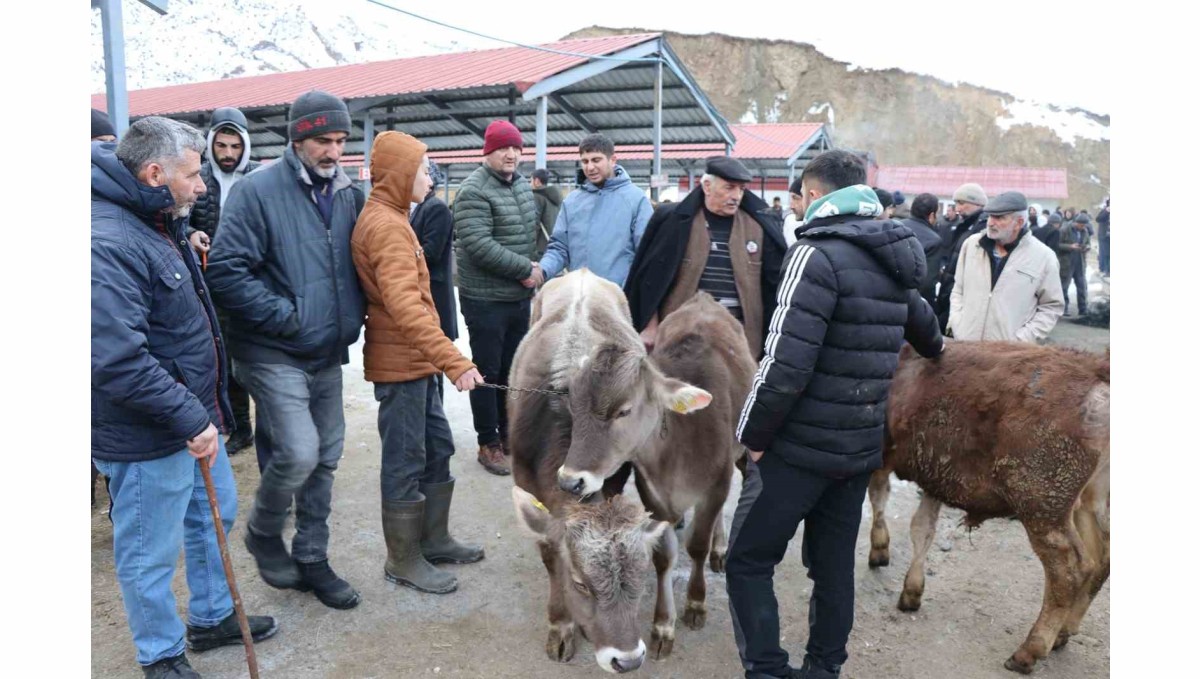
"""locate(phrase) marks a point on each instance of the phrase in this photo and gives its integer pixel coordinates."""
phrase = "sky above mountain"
(1048, 52)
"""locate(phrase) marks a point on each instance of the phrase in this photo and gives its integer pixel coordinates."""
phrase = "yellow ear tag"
(539, 505)
(680, 406)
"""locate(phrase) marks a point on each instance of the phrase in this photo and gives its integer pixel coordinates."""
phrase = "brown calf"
(1006, 430)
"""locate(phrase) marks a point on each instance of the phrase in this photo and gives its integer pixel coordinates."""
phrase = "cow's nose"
(570, 484)
(623, 665)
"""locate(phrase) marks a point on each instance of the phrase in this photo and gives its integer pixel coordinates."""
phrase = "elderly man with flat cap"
(721, 239)
(1007, 286)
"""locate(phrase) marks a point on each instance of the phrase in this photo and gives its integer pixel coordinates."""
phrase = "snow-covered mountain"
(199, 40)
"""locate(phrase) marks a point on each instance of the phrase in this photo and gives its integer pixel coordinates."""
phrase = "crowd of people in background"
(217, 282)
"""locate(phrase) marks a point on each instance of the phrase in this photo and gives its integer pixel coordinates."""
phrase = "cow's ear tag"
(539, 505)
(689, 399)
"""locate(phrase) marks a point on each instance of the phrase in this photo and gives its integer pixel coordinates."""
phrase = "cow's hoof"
(716, 561)
(909, 602)
(1063, 637)
(695, 615)
(878, 559)
(662, 641)
(560, 645)
(1021, 661)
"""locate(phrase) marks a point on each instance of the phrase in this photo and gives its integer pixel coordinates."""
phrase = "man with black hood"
(969, 200)
(548, 199)
(722, 239)
(814, 419)
(921, 219)
(227, 152)
(102, 129)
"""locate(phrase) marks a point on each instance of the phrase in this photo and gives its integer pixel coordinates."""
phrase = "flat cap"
(1009, 201)
(727, 168)
(1082, 218)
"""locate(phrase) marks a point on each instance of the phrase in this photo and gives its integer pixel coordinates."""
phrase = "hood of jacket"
(889, 242)
(113, 182)
(620, 178)
(395, 161)
(551, 193)
(228, 117)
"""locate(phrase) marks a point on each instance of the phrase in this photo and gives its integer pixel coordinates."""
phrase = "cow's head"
(618, 402)
(602, 559)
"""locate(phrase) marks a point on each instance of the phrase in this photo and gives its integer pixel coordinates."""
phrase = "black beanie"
(316, 112)
(101, 125)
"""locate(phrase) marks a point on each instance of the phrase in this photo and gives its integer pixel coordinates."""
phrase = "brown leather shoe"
(491, 456)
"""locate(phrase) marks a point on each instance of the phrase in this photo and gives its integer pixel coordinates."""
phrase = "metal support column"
(791, 175)
(368, 142)
(657, 167)
(543, 113)
(114, 65)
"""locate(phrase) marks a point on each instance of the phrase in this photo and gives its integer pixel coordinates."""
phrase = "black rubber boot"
(332, 591)
(406, 565)
(275, 565)
(436, 544)
(227, 632)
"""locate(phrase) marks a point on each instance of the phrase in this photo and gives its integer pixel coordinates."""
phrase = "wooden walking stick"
(243, 623)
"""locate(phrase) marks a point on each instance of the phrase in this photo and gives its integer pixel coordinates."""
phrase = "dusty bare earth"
(982, 595)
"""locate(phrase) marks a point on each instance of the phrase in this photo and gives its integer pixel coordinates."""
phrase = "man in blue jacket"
(599, 226)
(281, 268)
(813, 421)
(159, 399)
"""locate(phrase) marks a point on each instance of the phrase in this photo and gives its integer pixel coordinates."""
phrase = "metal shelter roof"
(604, 85)
(1034, 182)
(769, 150)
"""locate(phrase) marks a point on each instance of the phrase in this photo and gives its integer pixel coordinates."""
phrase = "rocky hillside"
(905, 118)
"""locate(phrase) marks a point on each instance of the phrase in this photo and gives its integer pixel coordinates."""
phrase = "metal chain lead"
(502, 387)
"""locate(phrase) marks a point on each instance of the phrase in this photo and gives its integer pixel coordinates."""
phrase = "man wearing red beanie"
(495, 221)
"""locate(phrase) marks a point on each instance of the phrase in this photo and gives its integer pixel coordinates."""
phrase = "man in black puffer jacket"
(814, 418)
(228, 160)
(969, 200)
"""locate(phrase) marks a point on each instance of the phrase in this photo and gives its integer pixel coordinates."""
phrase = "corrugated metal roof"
(772, 141)
(518, 66)
(1034, 182)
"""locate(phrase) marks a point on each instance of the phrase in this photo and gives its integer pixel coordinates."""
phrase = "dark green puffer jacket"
(495, 226)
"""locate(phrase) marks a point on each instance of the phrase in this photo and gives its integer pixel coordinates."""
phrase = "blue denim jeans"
(159, 507)
(417, 443)
(300, 413)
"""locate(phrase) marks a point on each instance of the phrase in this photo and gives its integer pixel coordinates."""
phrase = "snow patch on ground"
(1068, 125)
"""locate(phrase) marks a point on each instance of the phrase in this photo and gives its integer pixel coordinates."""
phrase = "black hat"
(101, 125)
(727, 168)
(884, 197)
(226, 116)
(1055, 219)
(316, 112)
(1009, 201)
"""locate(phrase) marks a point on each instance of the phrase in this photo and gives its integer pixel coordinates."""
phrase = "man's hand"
(755, 455)
(536, 277)
(205, 445)
(200, 242)
(468, 380)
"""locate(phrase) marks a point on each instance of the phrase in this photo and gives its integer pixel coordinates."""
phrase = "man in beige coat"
(1007, 285)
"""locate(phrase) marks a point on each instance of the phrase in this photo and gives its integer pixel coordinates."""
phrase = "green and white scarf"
(859, 199)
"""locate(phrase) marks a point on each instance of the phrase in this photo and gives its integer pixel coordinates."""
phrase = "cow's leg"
(662, 636)
(708, 513)
(924, 527)
(1095, 539)
(1061, 565)
(879, 490)
(720, 542)
(560, 644)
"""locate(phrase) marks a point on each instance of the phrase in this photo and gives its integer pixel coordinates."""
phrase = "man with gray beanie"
(1007, 283)
(969, 200)
(281, 267)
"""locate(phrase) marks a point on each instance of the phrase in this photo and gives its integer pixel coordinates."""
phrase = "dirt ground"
(983, 591)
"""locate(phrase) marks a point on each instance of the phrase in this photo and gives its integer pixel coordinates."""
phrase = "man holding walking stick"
(159, 399)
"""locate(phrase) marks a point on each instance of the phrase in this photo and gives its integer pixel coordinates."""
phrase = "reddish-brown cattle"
(1006, 430)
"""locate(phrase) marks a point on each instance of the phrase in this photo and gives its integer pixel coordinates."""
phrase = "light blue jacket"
(599, 228)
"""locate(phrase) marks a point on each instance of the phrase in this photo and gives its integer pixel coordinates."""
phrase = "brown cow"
(1006, 430)
(623, 407)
